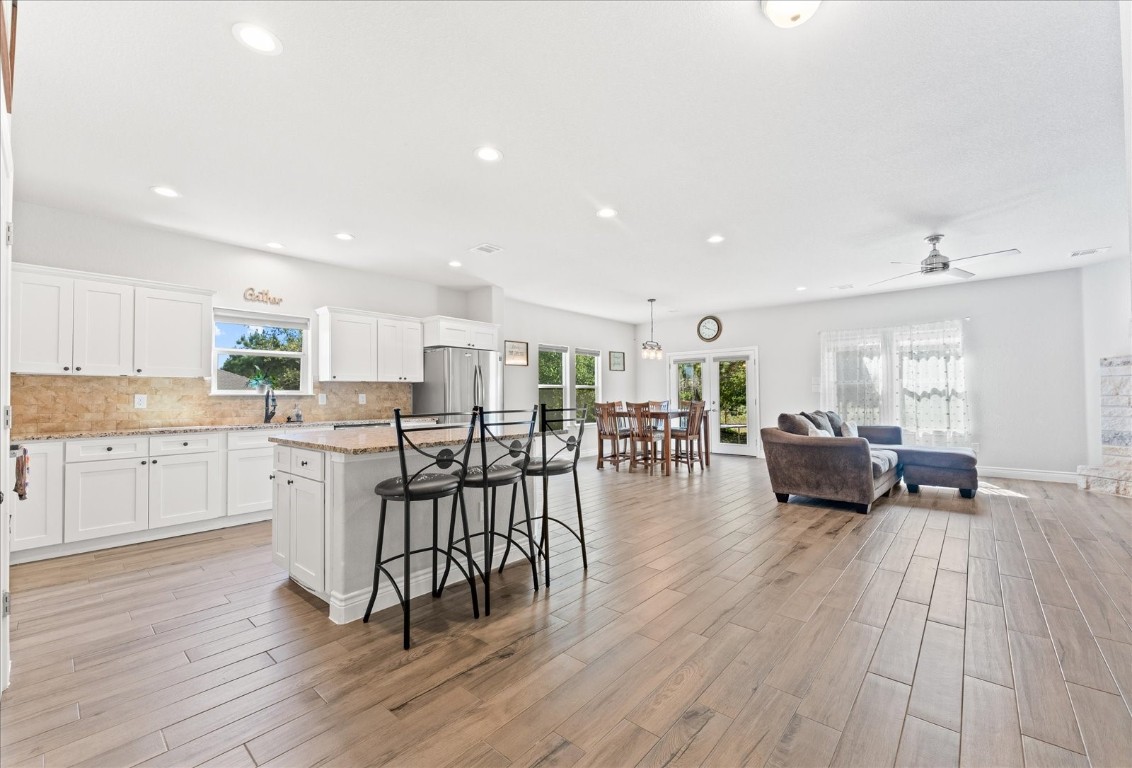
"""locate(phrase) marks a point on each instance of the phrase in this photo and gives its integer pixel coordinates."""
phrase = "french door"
(727, 381)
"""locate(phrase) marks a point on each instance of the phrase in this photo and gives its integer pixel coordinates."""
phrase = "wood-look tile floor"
(714, 627)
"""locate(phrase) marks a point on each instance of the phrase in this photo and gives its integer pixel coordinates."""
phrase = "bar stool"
(609, 430)
(495, 427)
(643, 433)
(560, 436)
(423, 485)
(691, 433)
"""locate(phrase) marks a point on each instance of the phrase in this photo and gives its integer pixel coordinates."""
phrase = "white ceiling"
(822, 153)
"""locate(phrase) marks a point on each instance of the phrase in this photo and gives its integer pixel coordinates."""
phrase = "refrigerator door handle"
(476, 385)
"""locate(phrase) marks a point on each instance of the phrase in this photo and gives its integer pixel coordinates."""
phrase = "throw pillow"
(849, 429)
(815, 432)
(835, 421)
(794, 424)
(819, 420)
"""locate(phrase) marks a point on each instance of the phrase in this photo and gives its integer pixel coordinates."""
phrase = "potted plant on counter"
(259, 382)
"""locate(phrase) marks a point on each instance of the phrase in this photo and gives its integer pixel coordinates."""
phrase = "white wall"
(1107, 315)
(1023, 345)
(58, 238)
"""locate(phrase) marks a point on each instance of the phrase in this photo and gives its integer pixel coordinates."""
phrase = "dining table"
(666, 417)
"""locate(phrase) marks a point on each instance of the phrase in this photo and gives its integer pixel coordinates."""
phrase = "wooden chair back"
(640, 422)
(695, 418)
(606, 420)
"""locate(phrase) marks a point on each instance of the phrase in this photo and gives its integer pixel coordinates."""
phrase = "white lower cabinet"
(298, 527)
(249, 480)
(37, 521)
(103, 498)
(184, 488)
(281, 520)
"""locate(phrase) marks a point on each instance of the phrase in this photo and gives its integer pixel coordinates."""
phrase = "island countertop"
(363, 440)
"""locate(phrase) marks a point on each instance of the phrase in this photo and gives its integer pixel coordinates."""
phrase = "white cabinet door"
(172, 333)
(37, 521)
(281, 499)
(307, 533)
(104, 329)
(183, 489)
(413, 352)
(450, 333)
(390, 350)
(42, 323)
(484, 337)
(249, 480)
(102, 498)
(352, 347)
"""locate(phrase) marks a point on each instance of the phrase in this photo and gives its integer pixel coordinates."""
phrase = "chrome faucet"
(269, 405)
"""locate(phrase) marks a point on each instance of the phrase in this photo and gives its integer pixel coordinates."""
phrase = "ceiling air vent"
(1088, 252)
(486, 248)
(846, 287)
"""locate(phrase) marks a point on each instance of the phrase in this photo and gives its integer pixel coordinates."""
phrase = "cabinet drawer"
(252, 438)
(306, 463)
(109, 448)
(281, 459)
(170, 445)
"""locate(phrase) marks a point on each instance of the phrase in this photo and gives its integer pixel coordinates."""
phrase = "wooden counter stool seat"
(610, 430)
(426, 485)
(691, 435)
(560, 439)
(513, 431)
(644, 435)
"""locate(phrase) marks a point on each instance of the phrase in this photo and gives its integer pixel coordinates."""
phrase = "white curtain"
(911, 376)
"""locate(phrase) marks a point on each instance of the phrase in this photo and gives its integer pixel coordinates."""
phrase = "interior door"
(727, 381)
(5, 362)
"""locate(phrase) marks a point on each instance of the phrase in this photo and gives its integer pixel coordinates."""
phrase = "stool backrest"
(639, 419)
(458, 428)
(561, 430)
(512, 430)
(695, 417)
(607, 419)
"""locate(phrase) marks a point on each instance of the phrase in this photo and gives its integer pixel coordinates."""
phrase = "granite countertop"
(356, 442)
(153, 431)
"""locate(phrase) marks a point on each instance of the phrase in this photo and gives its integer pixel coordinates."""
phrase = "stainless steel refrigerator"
(456, 378)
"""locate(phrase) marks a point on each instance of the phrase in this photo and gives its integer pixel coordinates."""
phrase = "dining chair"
(610, 429)
(691, 435)
(643, 435)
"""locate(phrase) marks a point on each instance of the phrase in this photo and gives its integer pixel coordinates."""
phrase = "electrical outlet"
(140, 401)
(322, 398)
(361, 398)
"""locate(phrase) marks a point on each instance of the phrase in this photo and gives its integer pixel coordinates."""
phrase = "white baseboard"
(137, 537)
(1041, 475)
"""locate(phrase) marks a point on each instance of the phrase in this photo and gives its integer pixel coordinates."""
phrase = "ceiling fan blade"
(888, 280)
(992, 253)
(906, 263)
(962, 274)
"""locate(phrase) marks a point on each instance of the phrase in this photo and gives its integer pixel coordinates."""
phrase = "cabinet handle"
(271, 477)
(290, 482)
(78, 368)
(66, 367)
(139, 370)
(109, 447)
(143, 462)
(152, 461)
(185, 444)
(302, 463)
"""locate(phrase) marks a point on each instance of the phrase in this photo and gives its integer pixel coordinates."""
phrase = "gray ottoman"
(947, 467)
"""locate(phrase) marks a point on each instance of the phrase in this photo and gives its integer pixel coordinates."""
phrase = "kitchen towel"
(23, 473)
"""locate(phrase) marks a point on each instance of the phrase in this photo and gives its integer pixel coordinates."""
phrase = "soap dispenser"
(297, 415)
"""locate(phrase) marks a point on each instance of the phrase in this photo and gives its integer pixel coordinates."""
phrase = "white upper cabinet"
(104, 329)
(42, 323)
(173, 334)
(400, 350)
(455, 332)
(347, 345)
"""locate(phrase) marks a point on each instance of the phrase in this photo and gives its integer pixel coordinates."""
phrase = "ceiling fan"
(937, 263)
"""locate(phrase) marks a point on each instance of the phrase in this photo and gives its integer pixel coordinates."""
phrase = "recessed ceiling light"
(274, 245)
(344, 236)
(789, 13)
(165, 191)
(455, 264)
(800, 288)
(489, 154)
(257, 39)
(606, 213)
(716, 239)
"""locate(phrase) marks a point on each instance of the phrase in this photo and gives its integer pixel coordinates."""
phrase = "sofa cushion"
(943, 458)
(849, 429)
(794, 424)
(820, 420)
(883, 461)
(835, 421)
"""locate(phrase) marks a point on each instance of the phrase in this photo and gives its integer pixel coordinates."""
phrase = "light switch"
(322, 398)
(361, 398)
(140, 401)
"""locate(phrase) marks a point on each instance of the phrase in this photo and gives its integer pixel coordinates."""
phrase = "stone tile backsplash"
(44, 405)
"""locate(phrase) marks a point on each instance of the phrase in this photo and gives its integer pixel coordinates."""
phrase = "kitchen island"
(324, 524)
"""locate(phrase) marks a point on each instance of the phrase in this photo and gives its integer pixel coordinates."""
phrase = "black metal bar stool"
(423, 485)
(513, 432)
(561, 442)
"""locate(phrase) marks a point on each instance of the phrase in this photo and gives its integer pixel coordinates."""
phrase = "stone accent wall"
(1115, 474)
(53, 404)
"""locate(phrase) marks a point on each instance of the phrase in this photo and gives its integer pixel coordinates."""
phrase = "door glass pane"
(733, 402)
(689, 380)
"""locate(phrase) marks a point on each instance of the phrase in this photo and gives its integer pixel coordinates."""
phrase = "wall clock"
(709, 328)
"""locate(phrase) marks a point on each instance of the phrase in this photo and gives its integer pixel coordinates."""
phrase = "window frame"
(596, 386)
(563, 386)
(246, 317)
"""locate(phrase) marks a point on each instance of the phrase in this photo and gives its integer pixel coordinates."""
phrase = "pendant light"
(651, 350)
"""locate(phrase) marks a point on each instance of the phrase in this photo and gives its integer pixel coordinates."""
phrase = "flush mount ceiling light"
(455, 264)
(716, 239)
(800, 288)
(274, 245)
(164, 191)
(651, 350)
(789, 13)
(257, 38)
(489, 154)
(344, 236)
(606, 213)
